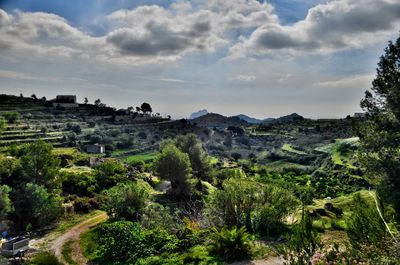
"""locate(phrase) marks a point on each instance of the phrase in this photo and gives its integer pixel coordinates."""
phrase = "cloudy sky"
(261, 58)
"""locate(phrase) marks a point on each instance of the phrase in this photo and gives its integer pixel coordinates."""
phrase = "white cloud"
(31, 77)
(334, 26)
(243, 78)
(346, 82)
(142, 35)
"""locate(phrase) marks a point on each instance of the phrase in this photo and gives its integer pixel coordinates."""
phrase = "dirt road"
(55, 241)
(73, 235)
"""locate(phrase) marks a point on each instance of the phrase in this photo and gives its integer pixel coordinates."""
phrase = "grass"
(213, 160)
(88, 245)
(66, 251)
(66, 224)
(145, 157)
(121, 152)
(339, 158)
(65, 151)
(345, 203)
(290, 149)
(280, 165)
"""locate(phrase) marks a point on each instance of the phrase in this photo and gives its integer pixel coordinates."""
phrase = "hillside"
(218, 120)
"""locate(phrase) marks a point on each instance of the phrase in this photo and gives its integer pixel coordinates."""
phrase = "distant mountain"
(248, 119)
(285, 119)
(218, 120)
(268, 120)
(252, 120)
(198, 114)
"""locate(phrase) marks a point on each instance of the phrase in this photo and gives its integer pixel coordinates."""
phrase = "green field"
(145, 157)
(289, 148)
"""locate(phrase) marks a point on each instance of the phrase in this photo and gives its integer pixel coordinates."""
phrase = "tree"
(3, 124)
(9, 170)
(199, 160)
(86, 100)
(36, 206)
(146, 108)
(5, 202)
(174, 165)
(242, 202)
(11, 117)
(34, 96)
(109, 173)
(379, 135)
(365, 227)
(99, 104)
(126, 201)
(39, 165)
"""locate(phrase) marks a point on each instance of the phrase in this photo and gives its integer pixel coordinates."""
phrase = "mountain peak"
(198, 114)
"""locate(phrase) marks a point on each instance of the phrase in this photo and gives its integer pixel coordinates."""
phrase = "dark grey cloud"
(277, 40)
(158, 40)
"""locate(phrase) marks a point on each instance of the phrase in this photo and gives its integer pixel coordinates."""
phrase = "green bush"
(124, 242)
(44, 258)
(365, 226)
(126, 201)
(11, 117)
(243, 202)
(231, 244)
(120, 242)
(303, 243)
(109, 173)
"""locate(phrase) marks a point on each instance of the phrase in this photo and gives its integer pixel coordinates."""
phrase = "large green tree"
(40, 165)
(380, 134)
(174, 165)
(199, 160)
(36, 206)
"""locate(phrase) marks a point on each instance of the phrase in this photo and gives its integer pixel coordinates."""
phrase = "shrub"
(303, 244)
(126, 201)
(110, 173)
(365, 226)
(257, 206)
(120, 242)
(11, 117)
(231, 244)
(79, 181)
(44, 258)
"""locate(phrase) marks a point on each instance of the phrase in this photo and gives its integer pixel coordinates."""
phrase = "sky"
(260, 58)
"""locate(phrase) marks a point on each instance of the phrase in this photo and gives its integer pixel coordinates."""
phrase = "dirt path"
(73, 235)
(55, 241)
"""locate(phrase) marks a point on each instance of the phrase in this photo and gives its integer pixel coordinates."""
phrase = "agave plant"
(231, 244)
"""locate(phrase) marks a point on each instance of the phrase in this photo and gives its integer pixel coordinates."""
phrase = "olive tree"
(174, 165)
